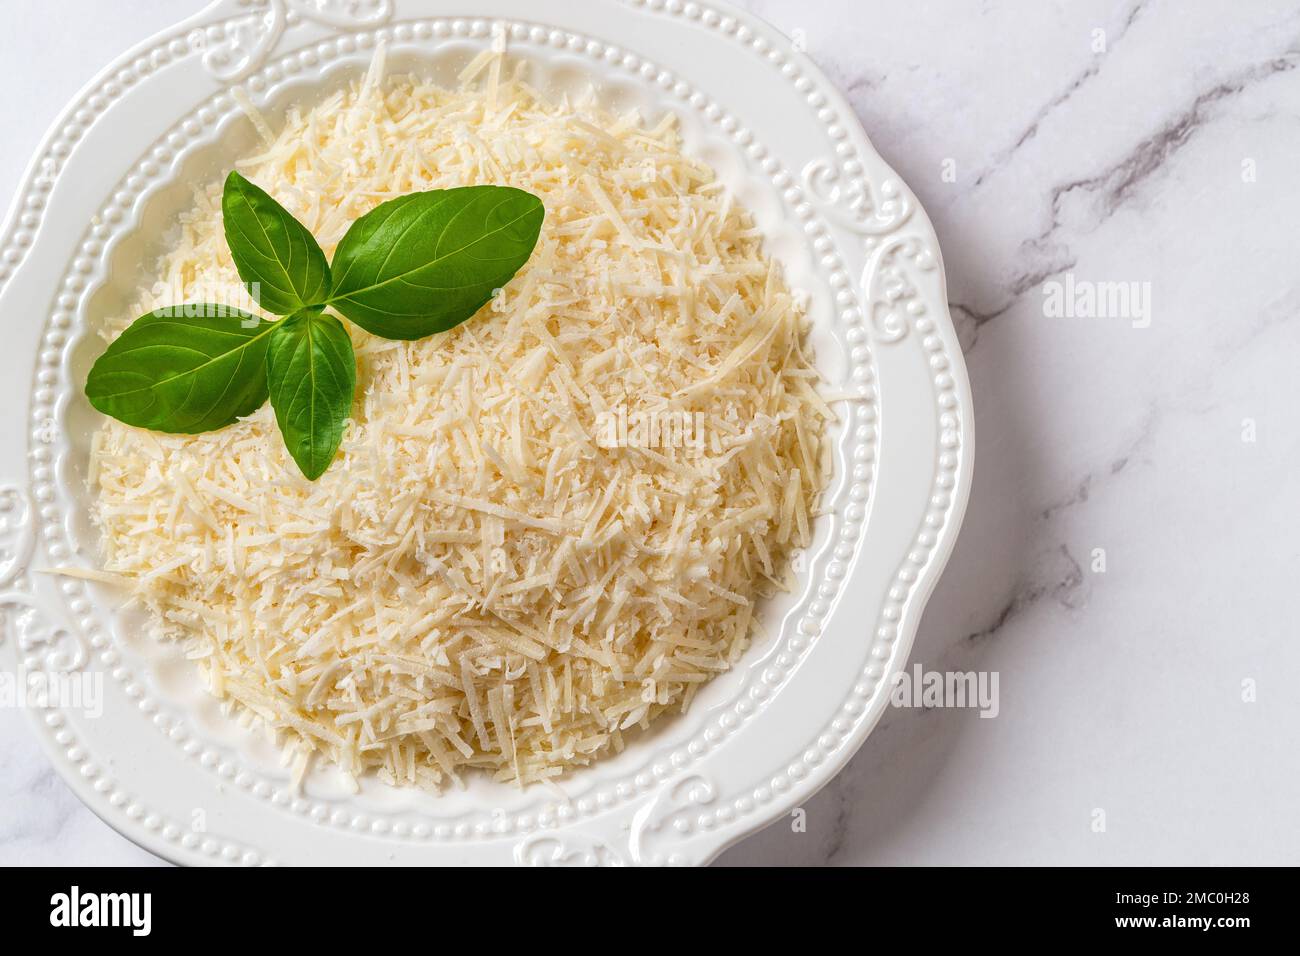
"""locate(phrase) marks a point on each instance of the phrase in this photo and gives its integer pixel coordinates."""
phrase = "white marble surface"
(1169, 159)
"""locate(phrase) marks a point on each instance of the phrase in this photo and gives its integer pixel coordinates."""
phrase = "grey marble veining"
(1147, 142)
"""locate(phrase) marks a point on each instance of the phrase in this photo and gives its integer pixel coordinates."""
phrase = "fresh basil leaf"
(426, 262)
(188, 369)
(278, 259)
(312, 374)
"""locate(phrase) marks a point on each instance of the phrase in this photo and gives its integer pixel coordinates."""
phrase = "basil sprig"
(278, 259)
(311, 372)
(416, 265)
(191, 369)
(426, 262)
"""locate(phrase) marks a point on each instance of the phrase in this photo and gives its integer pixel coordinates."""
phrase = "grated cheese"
(478, 582)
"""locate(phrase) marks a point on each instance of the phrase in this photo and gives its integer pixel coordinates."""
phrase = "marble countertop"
(1128, 552)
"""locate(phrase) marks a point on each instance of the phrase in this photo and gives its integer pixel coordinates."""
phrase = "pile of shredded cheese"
(478, 581)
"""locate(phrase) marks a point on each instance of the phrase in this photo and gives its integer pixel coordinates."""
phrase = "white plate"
(162, 763)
